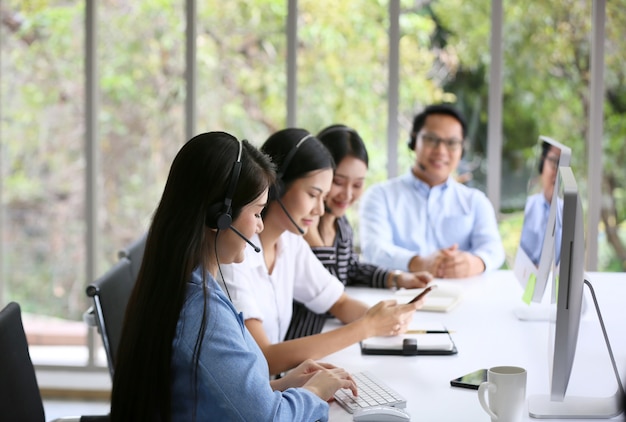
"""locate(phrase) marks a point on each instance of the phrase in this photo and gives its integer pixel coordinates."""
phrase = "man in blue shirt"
(425, 219)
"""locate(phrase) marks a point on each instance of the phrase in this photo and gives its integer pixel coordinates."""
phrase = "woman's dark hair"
(175, 246)
(343, 141)
(545, 148)
(295, 152)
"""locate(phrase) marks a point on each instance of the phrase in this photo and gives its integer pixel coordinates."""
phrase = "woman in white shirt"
(265, 284)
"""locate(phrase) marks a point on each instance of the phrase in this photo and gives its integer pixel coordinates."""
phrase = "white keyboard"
(372, 392)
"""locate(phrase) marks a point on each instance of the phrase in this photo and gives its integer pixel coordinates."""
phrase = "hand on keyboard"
(325, 379)
(372, 392)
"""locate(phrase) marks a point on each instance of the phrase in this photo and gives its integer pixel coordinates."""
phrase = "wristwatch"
(395, 274)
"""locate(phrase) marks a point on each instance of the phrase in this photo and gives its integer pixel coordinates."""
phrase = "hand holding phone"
(422, 294)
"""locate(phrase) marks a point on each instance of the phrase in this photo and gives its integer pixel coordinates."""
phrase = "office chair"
(110, 294)
(20, 399)
(134, 253)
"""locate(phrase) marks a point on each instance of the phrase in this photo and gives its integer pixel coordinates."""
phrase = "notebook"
(442, 299)
(430, 340)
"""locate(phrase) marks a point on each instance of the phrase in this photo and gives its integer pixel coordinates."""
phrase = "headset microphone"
(300, 229)
(421, 166)
(238, 233)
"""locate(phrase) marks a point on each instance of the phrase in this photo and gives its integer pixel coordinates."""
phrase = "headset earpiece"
(224, 220)
(214, 212)
(219, 216)
(412, 140)
(277, 190)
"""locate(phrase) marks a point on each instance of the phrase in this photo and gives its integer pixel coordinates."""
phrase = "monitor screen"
(534, 255)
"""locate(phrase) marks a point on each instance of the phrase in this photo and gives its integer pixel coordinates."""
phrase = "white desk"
(488, 334)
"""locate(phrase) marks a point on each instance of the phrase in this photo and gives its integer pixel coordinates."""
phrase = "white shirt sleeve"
(297, 274)
(314, 285)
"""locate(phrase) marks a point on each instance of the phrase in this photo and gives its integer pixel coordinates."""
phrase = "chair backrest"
(20, 399)
(134, 253)
(110, 295)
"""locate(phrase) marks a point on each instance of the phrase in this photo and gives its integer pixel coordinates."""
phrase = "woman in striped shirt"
(332, 239)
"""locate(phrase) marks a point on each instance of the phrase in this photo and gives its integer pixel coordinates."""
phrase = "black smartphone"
(471, 380)
(423, 293)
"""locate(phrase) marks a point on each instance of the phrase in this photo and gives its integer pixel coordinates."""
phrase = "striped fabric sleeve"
(343, 262)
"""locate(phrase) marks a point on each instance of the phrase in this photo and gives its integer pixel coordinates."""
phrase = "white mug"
(507, 393)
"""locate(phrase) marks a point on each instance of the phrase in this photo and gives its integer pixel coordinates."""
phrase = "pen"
(429, 332)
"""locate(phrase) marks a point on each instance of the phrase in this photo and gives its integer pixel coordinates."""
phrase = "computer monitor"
(568, 276)
(568, 282)
(540, 232)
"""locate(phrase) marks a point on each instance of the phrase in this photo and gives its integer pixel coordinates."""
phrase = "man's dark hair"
(420, 119)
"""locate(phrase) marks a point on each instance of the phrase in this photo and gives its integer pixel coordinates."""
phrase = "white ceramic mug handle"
(482, 390)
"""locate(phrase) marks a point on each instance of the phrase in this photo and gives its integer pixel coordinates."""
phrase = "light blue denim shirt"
(233, 376)
(403, 217)
(534, 227)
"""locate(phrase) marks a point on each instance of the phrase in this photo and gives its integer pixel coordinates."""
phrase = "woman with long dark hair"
(185, 353)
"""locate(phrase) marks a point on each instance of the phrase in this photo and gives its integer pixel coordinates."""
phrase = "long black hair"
(175, 246)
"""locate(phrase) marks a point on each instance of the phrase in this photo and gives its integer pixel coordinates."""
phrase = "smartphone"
(422, 294)
(471, 380)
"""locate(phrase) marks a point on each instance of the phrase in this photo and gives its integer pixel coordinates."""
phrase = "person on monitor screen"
(185, 353)
(537, 206)
(264, 286)
(425, 219)
(331, 237)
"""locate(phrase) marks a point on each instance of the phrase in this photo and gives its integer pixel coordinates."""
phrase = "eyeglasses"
(432, 141)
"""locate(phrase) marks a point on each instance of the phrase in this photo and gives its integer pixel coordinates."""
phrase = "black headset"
(336, 128)
(220, 216)
(278, 189)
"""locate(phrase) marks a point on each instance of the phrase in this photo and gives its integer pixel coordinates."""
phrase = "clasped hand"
(452, 263)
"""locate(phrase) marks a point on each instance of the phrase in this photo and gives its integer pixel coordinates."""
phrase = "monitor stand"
(536, 312)
(576, 407)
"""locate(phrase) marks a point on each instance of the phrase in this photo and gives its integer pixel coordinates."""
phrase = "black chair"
(20, 399)
(134, 253)
(110, 294)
